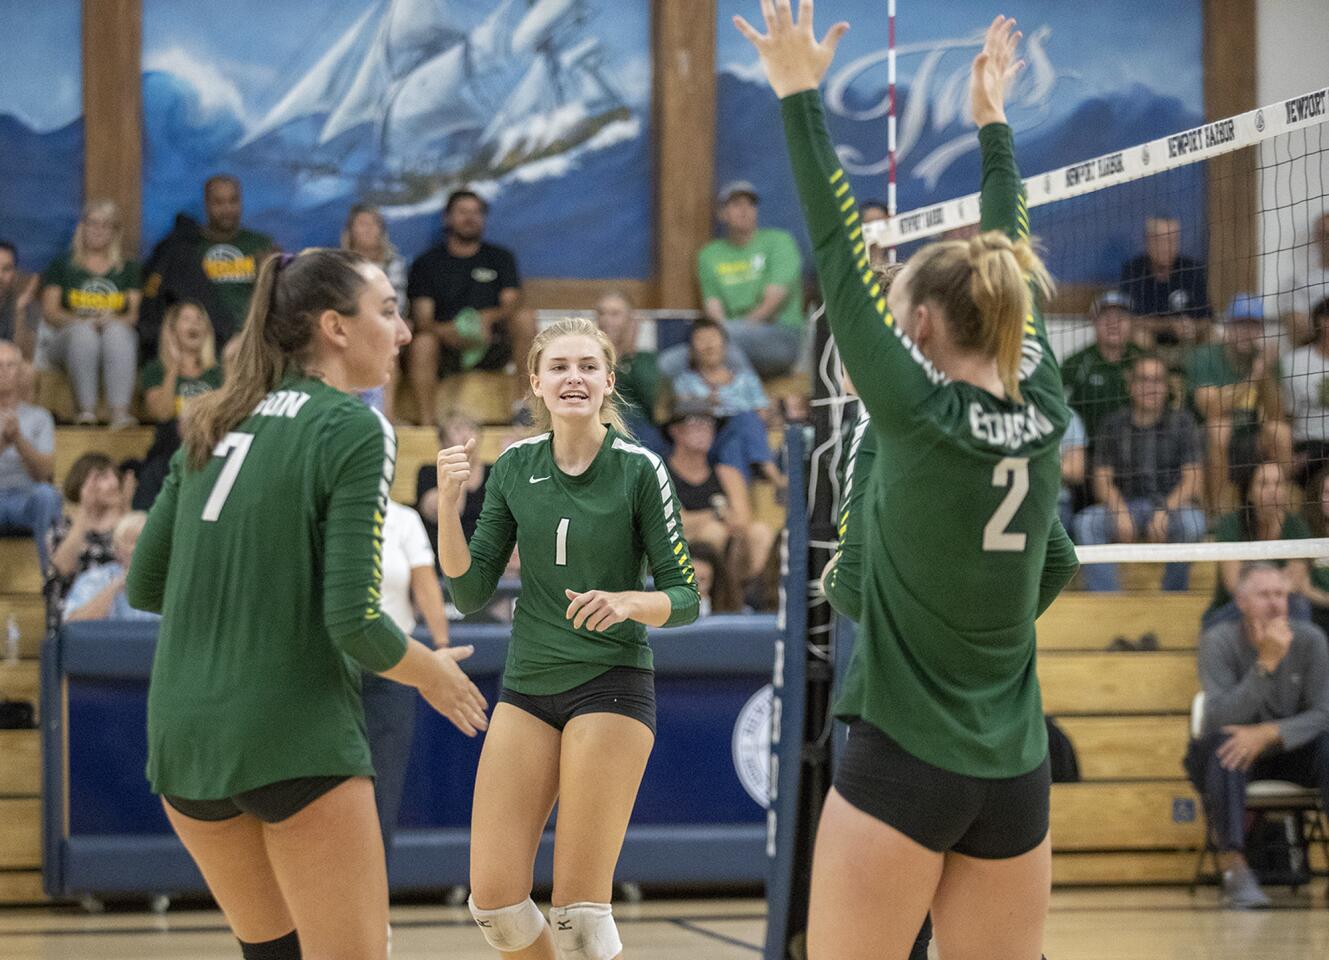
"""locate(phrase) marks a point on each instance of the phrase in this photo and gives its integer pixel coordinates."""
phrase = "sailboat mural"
(406, 100)
(424, 103)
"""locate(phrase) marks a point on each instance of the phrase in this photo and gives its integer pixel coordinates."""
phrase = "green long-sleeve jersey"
(963, 490)
(844, 585)
(266, 566)
(594, 531)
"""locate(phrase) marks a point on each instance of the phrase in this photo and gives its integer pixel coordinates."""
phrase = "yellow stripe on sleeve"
(838, 175)
(841, 190)
(848, 202)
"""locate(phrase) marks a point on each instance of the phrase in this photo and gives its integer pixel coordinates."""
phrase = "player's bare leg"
(993, 908)
(516, 785)
(871, 887)
(233, 859)
(328, 860)
(604, 757)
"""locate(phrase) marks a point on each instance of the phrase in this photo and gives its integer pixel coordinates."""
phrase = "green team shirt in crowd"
(595, 531)
(266, 567)
(85, 293)
(1229, 529)
(1096, 386)
(844, 586)
(738, 276)
(964, 549)
(637, 383)
(231, 266)
(1209, 365)
(153, 375)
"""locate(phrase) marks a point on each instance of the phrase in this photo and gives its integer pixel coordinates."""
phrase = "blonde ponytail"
(610, 410)
(985, 286)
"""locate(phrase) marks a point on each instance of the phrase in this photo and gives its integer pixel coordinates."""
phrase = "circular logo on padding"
(752, 745)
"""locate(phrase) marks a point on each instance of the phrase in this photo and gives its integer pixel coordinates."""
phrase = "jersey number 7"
(237, 446)
(1012, 472)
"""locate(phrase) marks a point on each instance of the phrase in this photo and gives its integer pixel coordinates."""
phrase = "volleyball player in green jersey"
(262, 553)
(941, 797)
(589, 510)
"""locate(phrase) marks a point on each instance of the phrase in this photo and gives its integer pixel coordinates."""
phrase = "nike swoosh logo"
(540, 479)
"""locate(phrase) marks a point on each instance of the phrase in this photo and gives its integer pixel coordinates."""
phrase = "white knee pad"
(509, 928)
(585, 931)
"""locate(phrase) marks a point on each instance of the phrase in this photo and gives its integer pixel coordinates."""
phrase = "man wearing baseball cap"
(751, 281)
(1095, 377)
(1235, 389)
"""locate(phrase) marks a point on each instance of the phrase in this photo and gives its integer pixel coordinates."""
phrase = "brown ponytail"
(289, 295)
(985, 286)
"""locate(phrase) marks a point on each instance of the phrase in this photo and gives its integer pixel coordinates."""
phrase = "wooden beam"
(113, 109)
(684, 61)
(1229, 88)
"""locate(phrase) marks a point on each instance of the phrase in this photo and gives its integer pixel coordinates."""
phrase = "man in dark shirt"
(1169, 293)
(466, 306)
(1147, 478)
(1265, 716)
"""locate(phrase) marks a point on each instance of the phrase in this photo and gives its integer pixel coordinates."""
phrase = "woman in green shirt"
(589, 509)
(263, 555)
(90, 297)
(186, 363)
(941, 797)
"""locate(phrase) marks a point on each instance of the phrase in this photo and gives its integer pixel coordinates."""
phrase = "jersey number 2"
(1012, 472)
(235, 447)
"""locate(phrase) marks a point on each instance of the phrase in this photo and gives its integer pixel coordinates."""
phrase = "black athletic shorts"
(271, 804)
(629, 691)
(943, 811)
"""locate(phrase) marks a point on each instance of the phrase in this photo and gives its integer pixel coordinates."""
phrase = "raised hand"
(454, 469)
(993, 71)
(791, 55)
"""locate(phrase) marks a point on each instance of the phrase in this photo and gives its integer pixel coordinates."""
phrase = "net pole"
(890, 119)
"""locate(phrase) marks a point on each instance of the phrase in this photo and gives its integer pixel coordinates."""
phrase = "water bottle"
(11, 640)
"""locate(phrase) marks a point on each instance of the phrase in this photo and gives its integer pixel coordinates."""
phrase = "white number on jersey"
(1011, 472)
(235, 447)
(561, 544)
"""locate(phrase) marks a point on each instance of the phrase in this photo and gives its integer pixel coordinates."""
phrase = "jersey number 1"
(1011, 472)
(235, 447)
(561, 543)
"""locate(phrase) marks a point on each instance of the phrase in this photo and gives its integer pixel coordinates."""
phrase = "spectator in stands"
(90, 299)
(454, 431)
(1095, 377)
(637, 374)
(1265, 514)
(1304, 283)
(1074, 459)
(186, 363)
(1305, 376)
(98, 593)
(409, 583)
(20, 306)
(1316, 513)
(871, 211)
(734, 397)
(1266, 716)
(185, 367)
(466, 305)
(215, 264)
(1146, 478)
(1235, 390)
(716, 505)
(366, 233)
(751, 281)
(28, 502)
(1168, 292)
(717, 592)
(82, 540)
